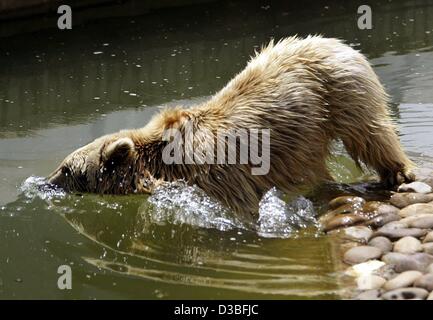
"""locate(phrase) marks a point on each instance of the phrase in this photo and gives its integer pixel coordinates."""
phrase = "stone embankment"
(387, 247)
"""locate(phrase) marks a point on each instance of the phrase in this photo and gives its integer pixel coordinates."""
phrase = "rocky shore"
(386, 246)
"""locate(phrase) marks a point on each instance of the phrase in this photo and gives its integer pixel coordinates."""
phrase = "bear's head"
(108, 165)
(129, 161)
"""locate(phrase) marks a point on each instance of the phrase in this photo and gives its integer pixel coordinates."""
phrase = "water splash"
(38, 187)
(178, 203)
(278, 218)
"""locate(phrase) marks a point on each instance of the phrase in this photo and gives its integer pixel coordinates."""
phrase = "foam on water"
(178, 203)
(278, 218)
(38, 187)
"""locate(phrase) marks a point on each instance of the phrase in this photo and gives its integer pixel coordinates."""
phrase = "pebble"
(401, 200)
(382, 243)
(346, 209)
(428, 247)
(387, 272)
(423, 222)
(406, 294)
(381, 220)
(408, 245)
(430, 296)
(361, 254)
(358, 233)
(368, 295)
(370, 282)
(428, 237)
(404, 262)
(424, 175)
(416, 186)
(373, 209)
(408, 220)
(380, 208)
(429, 269)
(425, 281)
(343, 200)
(417, 208)
(402, 280)
(341, 220)
(398, 233)
(395, 225)
(369, 267)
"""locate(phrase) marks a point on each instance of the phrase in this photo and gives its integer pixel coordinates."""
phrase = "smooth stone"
(368, 295)
(407, 245)
(365, 268)
(370, 282)
(406, 294)
(404, 262)
(429, 269)
(382, 243)
(346, 209)
(385, 208)
(408, 220)
(430, 296)
(394, 225)
(401, 200)
(340, 221)
(398, 233)
(387, 272)
(404, 279)
(428, 237)
(346, 245)
(416, 186)
(343, 200)
(424, 174)
(361, 254)
(381, 220)
(422, 222)
(428, 247)
(358, 233)
(425, 281)
(373, 209)
(417, 208)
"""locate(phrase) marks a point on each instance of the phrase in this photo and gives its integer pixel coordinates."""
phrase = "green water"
(59, 90)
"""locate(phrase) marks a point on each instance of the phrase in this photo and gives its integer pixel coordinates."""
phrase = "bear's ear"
(175, 118)
(118, 150)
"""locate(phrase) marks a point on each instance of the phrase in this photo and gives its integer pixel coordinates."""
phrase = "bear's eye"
(66, 171)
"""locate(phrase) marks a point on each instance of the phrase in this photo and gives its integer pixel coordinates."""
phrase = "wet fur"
(307, 91)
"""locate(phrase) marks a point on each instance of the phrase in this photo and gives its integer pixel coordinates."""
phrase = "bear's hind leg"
(380, 149)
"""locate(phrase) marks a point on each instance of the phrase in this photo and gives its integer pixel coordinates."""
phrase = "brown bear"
(306, 92)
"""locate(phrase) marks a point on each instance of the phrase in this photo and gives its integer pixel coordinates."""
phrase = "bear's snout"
(57, 178)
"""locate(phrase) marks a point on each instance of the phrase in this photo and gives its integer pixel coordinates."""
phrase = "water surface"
(61, 90)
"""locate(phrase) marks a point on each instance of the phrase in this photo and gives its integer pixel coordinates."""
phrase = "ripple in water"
(177, 203)
(154, 238)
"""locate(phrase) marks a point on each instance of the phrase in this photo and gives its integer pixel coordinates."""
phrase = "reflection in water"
(182, 239)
